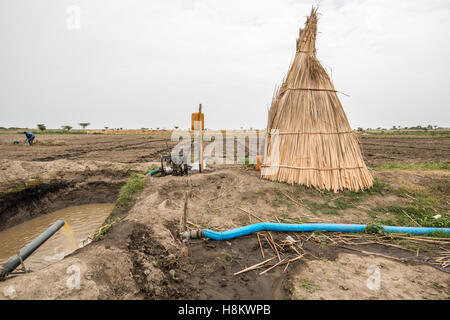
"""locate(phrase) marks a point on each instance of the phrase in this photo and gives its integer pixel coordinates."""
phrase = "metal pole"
(200, 166)
(26, 251)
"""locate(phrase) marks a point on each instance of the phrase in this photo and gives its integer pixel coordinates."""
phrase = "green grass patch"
(374, 228)
(309, 286)
(324, 208)
(421, 207)
(337, 204)
(385, 222)
(129, 192)
(431, 133)
(281, 200)
(378, 187)
(423, 215)
(429, 165)
(251, 196)
(287, 218)
(33, 182)
(127, 196)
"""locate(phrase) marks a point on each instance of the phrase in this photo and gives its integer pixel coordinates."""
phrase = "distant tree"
(67, 128)
(84, 124)
(42, 127)
(106, 128)
(176, 127)
(360, 129)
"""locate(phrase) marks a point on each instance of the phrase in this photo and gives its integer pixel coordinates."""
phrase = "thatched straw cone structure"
(316, 145)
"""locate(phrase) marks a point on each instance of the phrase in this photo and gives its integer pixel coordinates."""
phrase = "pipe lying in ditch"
(309, 227)
(26, 251)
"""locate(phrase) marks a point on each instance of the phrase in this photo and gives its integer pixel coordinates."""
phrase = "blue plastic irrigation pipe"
(309, 227)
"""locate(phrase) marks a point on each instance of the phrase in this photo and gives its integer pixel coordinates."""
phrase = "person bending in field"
(29, 137)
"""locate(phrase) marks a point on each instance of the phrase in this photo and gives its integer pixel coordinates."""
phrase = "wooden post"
(200, 165)
(184, 227)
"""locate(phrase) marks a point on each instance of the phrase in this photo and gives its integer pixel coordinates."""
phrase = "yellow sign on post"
(196, 120)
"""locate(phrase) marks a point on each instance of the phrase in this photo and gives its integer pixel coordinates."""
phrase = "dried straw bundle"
(317, 146)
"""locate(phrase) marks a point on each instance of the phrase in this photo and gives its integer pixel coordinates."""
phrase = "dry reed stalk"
(193, 224)
(300, 205)
(275, 246)
(296, 258)
(411, 218)
(292, 199)
(260, 245)
(251, 214)
(275, 265)
(293, 248)
(374, 253)
(419, 239)
(255, 266)
(271, 246)
(285, 268)
(317, 146)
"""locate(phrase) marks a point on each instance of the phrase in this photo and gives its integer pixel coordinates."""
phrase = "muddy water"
(81, 221)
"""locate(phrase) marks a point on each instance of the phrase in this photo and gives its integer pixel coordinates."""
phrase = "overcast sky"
(148, 63)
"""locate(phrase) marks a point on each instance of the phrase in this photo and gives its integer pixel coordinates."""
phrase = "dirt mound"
(16, 175)
(143, 257)
(350, 277)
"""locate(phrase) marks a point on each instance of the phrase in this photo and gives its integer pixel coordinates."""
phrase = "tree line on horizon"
(84, 125)
(418, 127)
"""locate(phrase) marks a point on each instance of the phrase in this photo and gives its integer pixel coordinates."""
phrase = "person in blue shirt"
(29, 137)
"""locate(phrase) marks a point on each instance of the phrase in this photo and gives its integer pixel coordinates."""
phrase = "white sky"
(144, 63)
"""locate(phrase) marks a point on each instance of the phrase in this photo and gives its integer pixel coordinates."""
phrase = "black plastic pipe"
(26, 251)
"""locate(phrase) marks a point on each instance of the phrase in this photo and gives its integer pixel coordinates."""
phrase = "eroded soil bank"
(29, 189)
(143, 257)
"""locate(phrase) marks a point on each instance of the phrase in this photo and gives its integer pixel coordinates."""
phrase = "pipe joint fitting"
(193, 234)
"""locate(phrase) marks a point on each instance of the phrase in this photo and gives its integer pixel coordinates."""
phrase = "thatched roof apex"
(306, 42)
